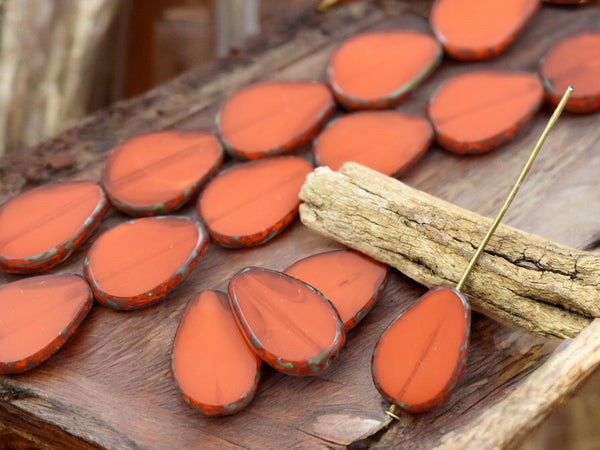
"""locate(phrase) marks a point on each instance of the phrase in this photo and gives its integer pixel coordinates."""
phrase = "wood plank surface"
(110, 386)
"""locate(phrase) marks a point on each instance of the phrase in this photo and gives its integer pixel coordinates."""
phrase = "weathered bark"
(521, 279)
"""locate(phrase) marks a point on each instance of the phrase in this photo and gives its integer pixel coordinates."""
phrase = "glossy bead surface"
(252, 202)
(157, 173)
(289, 324)
(42, 227)
(272, 118)
(377, 70)
(215, 371)
(476, 30)
(387, 141)
(478, 111)
(136, 263)
(574, 62)
(351, 281)
(37, 316)
(420, 357)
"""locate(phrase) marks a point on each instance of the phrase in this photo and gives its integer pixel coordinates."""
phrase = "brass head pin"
(442, 295)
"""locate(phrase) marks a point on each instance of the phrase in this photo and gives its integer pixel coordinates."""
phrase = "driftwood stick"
(521, 280)
(511, 420)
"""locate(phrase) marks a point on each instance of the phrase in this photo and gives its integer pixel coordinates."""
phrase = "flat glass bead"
(420, 357)
(574, 62)
(37, 316)
(478, 111)
(215, 371)
(42, 227)
(157, 173)
(252, 202)
(272, 118)
(351, 281)
(476, 30)
(387, 141)
(289, 324)
(136, 263)
(377, 70)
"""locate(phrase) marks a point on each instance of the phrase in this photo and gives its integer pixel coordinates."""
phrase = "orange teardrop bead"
(252, 202)
(377, 70)
(420, 357)
(272, 118)
(352, 282)
(157, 173)
(289, 324)
(37, 316)
(387, 141)
(478, 111)
(136, 263)
(215, 371)
(574, 62)
(475, 30)
(42, 227)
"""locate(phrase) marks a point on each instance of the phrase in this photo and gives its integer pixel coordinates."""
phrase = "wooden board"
(110, 384)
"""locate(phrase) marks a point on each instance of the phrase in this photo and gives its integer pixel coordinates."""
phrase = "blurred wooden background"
(62, 59)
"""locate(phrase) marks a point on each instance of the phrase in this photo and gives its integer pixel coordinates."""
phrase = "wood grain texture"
(515, 416)
(523, 280)
(110, 387)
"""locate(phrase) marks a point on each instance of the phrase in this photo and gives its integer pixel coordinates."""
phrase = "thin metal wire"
(515, 188)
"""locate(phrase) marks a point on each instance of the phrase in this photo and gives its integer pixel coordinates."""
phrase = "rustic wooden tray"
(110, 385)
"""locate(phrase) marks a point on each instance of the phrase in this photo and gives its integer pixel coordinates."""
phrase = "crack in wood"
(10, 393)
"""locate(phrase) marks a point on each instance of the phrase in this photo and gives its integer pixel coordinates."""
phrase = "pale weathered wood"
(512, 419)
(521, 279)
(572, 425)
(48, 50)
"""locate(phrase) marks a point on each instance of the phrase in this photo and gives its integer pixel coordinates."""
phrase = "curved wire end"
(392, 412)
